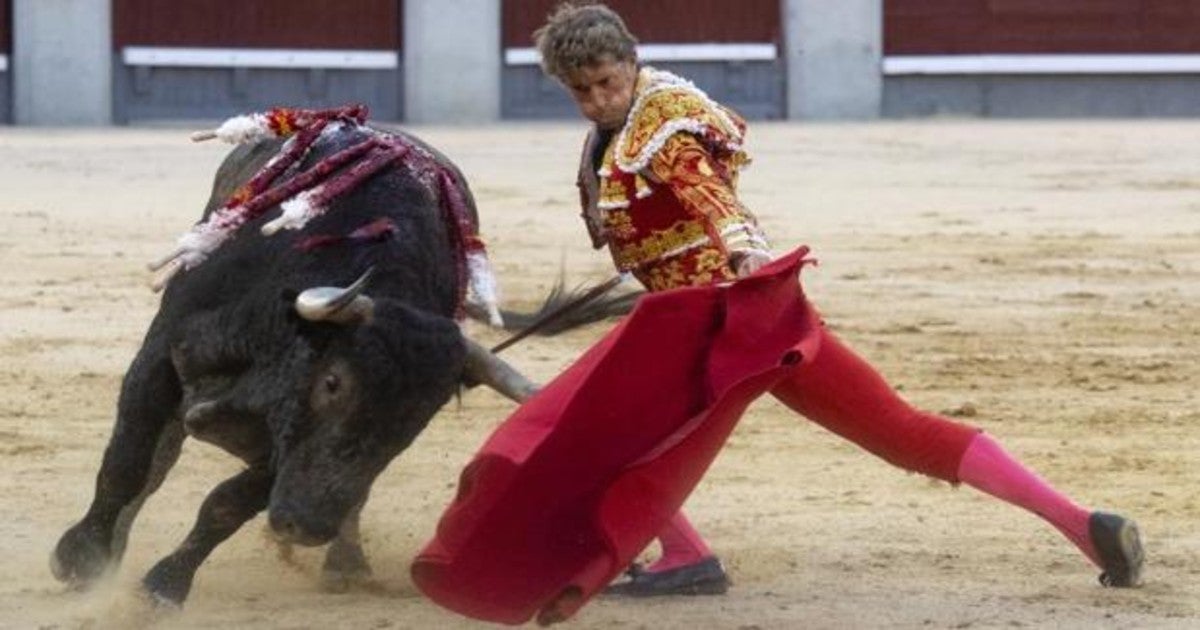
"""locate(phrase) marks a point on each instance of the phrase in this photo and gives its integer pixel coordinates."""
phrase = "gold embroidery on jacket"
(613, 193)
(679, 140)
(665, 104)
(667, 275)
(689, 170)
(619, 224)
(658, 243)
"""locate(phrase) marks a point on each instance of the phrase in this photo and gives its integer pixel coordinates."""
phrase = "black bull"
(316, 409)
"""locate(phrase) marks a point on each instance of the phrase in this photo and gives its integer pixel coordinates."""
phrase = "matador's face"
(604, 91)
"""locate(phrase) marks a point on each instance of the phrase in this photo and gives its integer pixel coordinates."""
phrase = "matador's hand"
(747, 262)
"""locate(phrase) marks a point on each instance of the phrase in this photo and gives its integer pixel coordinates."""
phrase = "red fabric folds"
(572, 486)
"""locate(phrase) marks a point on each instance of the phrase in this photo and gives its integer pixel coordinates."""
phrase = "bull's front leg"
(345, 563)
(136, 460)
(166, 453)
(232, 503)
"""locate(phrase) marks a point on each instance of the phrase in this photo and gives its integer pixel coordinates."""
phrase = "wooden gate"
(733, 50)
(205, 59)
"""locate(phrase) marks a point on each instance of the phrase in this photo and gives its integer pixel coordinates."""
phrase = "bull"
(315, 387)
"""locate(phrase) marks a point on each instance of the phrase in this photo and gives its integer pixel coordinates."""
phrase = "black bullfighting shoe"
(1119, 546)
(706, 577)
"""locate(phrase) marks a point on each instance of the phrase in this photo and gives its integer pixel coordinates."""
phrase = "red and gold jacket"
(661, 192)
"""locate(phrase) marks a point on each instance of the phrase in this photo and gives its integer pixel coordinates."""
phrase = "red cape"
(571, 487)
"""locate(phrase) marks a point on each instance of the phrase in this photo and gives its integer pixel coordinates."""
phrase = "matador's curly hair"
(577, 35)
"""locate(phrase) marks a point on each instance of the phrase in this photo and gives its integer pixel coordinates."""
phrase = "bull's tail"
(612, 304)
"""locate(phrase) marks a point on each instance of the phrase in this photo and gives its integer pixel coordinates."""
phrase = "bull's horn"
(486, 368)
(335, 304)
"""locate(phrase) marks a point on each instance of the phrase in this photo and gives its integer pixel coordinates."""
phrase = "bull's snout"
(294, 526)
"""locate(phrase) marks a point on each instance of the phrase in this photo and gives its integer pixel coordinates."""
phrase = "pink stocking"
(681, 545)
(986, 466)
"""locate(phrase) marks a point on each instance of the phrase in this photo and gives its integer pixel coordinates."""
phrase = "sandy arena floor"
(1041, 280)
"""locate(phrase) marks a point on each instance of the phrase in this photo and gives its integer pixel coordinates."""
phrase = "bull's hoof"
(333, 581)
(167, 585)
(163, 603)
(80, 558)
(130, 609)
(345, 568)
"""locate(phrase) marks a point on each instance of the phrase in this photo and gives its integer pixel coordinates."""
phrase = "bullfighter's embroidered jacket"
(661, 192)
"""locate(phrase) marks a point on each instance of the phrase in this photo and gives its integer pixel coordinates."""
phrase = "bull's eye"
(334, 392)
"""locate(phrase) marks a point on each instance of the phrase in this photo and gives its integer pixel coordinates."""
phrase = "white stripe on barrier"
(1040, 64)
(260, 58)
(669, 52)
(3, 63)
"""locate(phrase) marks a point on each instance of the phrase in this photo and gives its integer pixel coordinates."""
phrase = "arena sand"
(1039, 279)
